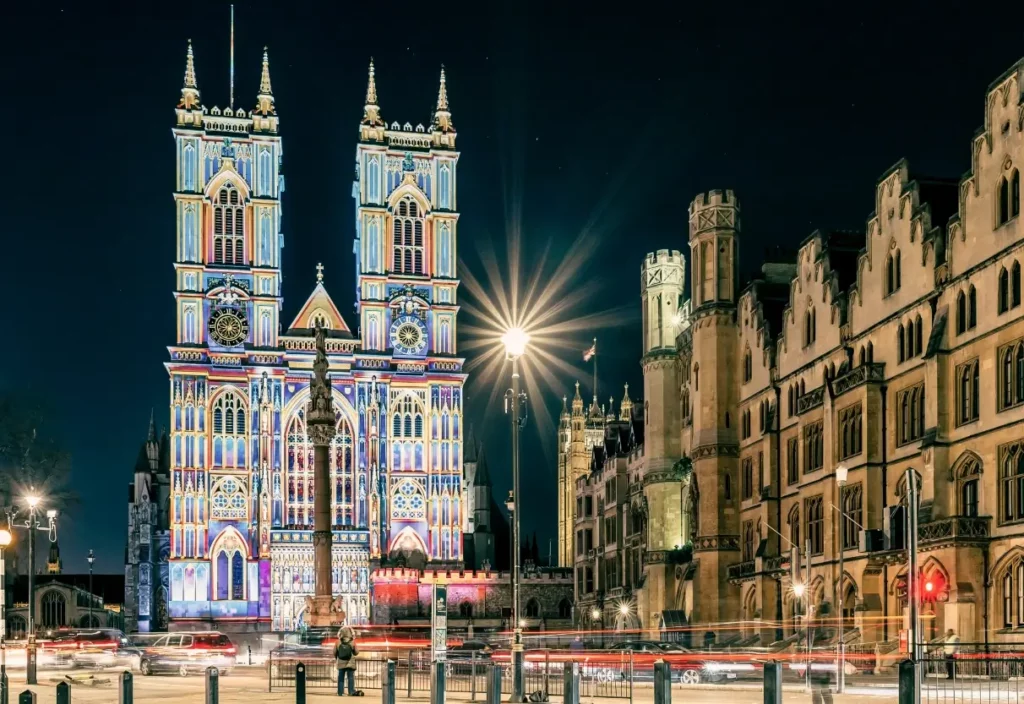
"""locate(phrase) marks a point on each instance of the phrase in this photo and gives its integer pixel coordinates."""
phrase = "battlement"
(714, 210)
(663, 257)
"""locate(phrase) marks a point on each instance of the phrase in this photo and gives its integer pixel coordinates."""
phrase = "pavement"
(249, 685)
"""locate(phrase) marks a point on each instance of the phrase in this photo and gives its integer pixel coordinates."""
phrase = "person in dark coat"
(345, 659)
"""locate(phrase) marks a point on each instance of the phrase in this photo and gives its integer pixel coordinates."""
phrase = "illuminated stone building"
(240, 469)
(868, 349)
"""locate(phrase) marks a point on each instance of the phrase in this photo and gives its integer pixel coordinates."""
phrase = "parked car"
(185, 653)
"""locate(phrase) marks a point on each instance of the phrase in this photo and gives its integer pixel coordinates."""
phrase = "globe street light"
(842, 473)
(515, 341)
(5, 541)
(90, 559)
(32, 523)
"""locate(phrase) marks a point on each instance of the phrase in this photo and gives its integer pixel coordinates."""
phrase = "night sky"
(572, 120)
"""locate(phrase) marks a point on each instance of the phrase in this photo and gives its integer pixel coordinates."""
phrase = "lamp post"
(32, 523)
(842, 472)
(5, 541)
(91, 558)
(515, 341)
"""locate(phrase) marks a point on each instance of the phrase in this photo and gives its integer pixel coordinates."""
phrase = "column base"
(324, 611)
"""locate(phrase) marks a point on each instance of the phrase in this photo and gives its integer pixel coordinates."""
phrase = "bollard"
(125, 694)
(63, 693)
(518, 674)
(408, 677)
(437, 685)
(387, 687)
(300, 684)
(910, 684)
(5, 686)
(492, 684)
(472, 677)
(772, 682)
(662, 683)
(571, 683)
(212, 685)
(27, 697)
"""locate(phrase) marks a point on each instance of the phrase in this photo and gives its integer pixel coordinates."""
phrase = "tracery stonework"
(255, 434)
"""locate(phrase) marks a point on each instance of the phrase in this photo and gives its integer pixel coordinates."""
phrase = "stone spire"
(626, 408)
(265, 98)
(611, 409)
(442, 117)
(577, 402)
(152, 426)
(564, 417)
(371, 111)
(470, 453)
(190, 89)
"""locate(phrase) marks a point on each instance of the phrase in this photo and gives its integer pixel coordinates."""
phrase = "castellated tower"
(714, 230)
(661, 290)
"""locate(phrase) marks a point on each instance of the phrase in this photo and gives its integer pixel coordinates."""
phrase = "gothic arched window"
(407, 434)
(968, 392)
(54, 609)
(1012, 483)
(901, 351)
(407, 232)
(748, 365)
(228, 556)
(1015, 284)
(1004, 201)
(1013, 592)
(972, 308)
(299, 472)
(893, 274)
(188, 167)
(794, 526)
(1015, 194)
(1003, 303)
(228, 227)
(266, 170)
(229, 436)
(961, 313)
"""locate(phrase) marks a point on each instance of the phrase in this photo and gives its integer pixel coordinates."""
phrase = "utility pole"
(913, 581)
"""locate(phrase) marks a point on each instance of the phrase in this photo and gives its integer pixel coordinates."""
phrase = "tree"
(31, 458)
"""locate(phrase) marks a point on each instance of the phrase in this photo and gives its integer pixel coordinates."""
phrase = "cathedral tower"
(714, 230)
(228, 301)
(661, 292)
(407, 219)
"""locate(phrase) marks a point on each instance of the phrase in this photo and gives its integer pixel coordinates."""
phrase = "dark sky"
(574, 115)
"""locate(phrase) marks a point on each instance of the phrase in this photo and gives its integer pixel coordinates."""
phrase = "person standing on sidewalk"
(345, 659)
(950, 648)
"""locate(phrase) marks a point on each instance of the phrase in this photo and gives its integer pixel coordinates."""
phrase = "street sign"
(439, 623)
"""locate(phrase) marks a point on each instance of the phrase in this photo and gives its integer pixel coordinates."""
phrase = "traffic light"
(933, 588)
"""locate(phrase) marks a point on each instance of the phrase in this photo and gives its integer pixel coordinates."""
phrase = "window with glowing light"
(228, 227)
(407, 237)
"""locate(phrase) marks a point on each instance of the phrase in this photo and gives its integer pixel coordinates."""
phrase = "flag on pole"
(589, 353)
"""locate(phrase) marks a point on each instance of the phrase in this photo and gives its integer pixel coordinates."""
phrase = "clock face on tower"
(408, 335)
(228, 326)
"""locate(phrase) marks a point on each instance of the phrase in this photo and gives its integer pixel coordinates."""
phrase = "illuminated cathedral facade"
(241, 475)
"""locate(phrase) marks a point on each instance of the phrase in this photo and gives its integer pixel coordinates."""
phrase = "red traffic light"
(932, 587)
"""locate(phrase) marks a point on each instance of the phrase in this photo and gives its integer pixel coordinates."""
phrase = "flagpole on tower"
(595, 367)
(232, 98)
